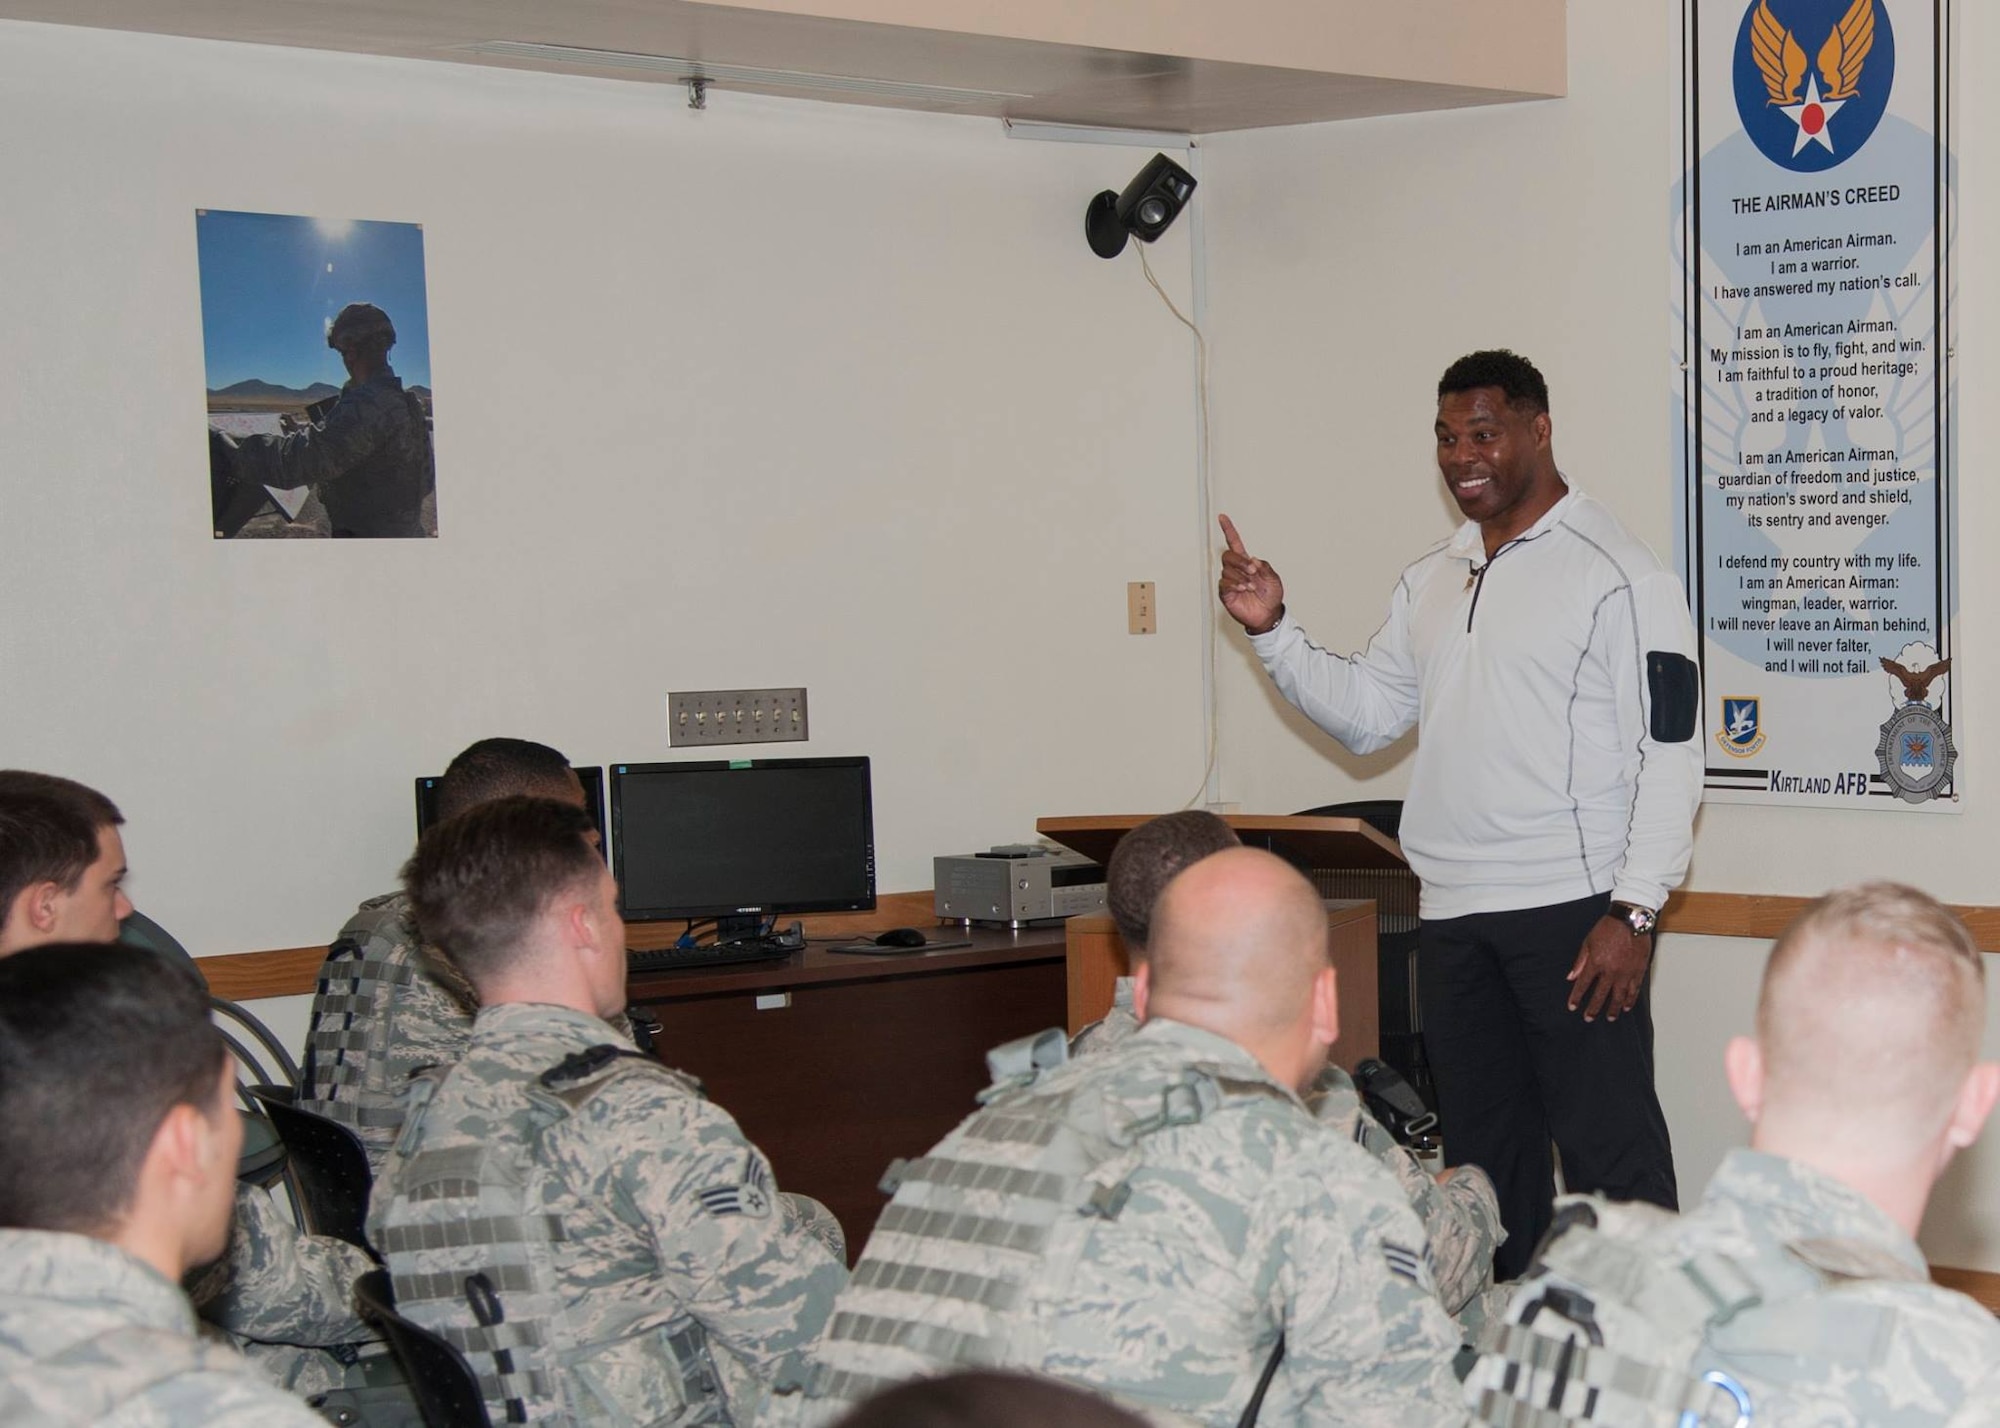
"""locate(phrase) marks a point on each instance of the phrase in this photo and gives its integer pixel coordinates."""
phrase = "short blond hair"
(1872, 1010)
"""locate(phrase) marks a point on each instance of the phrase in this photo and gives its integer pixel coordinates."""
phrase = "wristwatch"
(1642, 920)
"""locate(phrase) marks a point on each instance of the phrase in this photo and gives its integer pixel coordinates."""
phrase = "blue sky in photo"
(271, 283)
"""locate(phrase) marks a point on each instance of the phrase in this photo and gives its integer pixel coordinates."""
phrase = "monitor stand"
(738, 929)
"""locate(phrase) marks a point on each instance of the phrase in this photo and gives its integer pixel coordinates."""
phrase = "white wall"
(1349, 263)
(780, 393)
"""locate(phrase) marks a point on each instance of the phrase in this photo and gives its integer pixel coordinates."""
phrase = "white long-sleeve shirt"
(1539, 775)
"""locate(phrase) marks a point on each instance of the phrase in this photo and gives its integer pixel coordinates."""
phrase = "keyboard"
(674, 959)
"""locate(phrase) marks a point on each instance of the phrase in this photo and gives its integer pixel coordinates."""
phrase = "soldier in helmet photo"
(365, 454)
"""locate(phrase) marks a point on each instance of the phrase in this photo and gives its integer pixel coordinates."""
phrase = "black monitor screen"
(591, 778)
(751, 836)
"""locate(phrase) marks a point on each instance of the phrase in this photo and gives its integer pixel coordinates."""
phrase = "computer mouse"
(900, 937)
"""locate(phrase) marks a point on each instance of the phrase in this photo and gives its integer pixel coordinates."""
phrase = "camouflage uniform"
(1461, 1216)
(384, 1009)
(284, 1296)
(89, 1334)
(1798, 1289)
(278, 1284)
(646, 1241)
(1148, 1223)
(369, 460)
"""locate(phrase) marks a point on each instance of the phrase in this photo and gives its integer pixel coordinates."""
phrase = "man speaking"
(1545, 658)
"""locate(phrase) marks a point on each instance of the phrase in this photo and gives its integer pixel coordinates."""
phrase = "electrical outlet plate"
(736, 716)
(1141, 615)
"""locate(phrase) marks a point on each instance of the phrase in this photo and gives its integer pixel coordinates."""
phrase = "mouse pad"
(869, 949)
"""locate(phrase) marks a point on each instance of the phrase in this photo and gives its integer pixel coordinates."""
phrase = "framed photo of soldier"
(316, 349)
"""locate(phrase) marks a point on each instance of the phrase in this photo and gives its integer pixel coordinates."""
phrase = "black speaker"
(1146, 209)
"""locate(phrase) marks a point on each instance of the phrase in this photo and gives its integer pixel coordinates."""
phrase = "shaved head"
(1239, 940)
(1151, 856)
(1873, 1006)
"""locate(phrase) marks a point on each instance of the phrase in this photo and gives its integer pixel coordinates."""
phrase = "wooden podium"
(1096, 955)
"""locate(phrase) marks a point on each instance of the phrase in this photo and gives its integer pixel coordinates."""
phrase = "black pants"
(1515, 1068)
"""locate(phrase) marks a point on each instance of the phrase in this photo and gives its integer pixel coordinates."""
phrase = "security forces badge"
(1742, 731)
(1915, 751)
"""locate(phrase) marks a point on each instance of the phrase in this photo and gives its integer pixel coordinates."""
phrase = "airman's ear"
(1744, 1063)
(1975, 1103)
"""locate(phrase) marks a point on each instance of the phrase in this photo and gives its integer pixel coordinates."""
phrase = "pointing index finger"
(1229, 534)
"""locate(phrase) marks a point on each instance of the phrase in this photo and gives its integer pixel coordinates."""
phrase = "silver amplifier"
(1017, 884)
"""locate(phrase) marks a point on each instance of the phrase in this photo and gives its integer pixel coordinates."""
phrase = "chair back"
(261, 1060)
(326, 1164)
(446, 1388)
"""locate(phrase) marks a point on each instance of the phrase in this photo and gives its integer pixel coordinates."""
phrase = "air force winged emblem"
(1782, 61)
(1915, 752)
(1788, 98)
(1741, 734)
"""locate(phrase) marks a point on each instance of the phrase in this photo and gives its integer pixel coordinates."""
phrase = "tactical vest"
(1694, 1339)
(1005, 1200)
(468, 1252)
(348, 1033)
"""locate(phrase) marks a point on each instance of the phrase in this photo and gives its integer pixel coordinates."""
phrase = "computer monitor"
(742, 840)
(592, 779)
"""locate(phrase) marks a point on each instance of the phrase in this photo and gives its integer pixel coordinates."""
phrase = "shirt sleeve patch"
(1413, 1265)
(751, 1195)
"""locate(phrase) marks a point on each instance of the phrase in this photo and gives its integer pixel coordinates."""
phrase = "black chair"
(326, 1164)
(446, 1388)
(261, 1059)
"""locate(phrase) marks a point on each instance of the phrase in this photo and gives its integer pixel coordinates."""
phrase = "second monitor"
(591, 779)
(742, 840)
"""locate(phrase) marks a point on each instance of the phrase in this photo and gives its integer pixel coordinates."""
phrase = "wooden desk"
(1096, 959)
(854, 1060)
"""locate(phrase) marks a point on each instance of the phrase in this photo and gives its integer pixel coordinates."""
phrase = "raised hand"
(1251, 591)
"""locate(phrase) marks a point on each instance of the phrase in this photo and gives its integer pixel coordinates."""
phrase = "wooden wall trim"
(280, 972)
(1764, 916)
(292, 971)
(1977, 1283)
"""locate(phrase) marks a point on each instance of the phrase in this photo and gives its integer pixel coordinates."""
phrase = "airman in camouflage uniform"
(383, 1010)
(673, 1236)
(284, 1295)
(96, 1228)
(1795, 1293)
(386, 1005)
(275, 1285)
(89, 1334)
(1461, 1214)
(597, 1237)
(1153, 1221)
(1816, 1305)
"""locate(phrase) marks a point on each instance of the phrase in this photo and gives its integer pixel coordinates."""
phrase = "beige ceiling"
(1187, 66)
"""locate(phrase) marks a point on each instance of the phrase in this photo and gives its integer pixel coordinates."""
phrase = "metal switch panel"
(736, 716)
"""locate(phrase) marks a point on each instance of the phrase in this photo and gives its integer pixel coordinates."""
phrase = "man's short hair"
(988, 1399)
(478, 882)
(498, 768)
(1873, 1007)
(49, 829)
(97, 1043)
(1513, 374)
(1150, 857)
